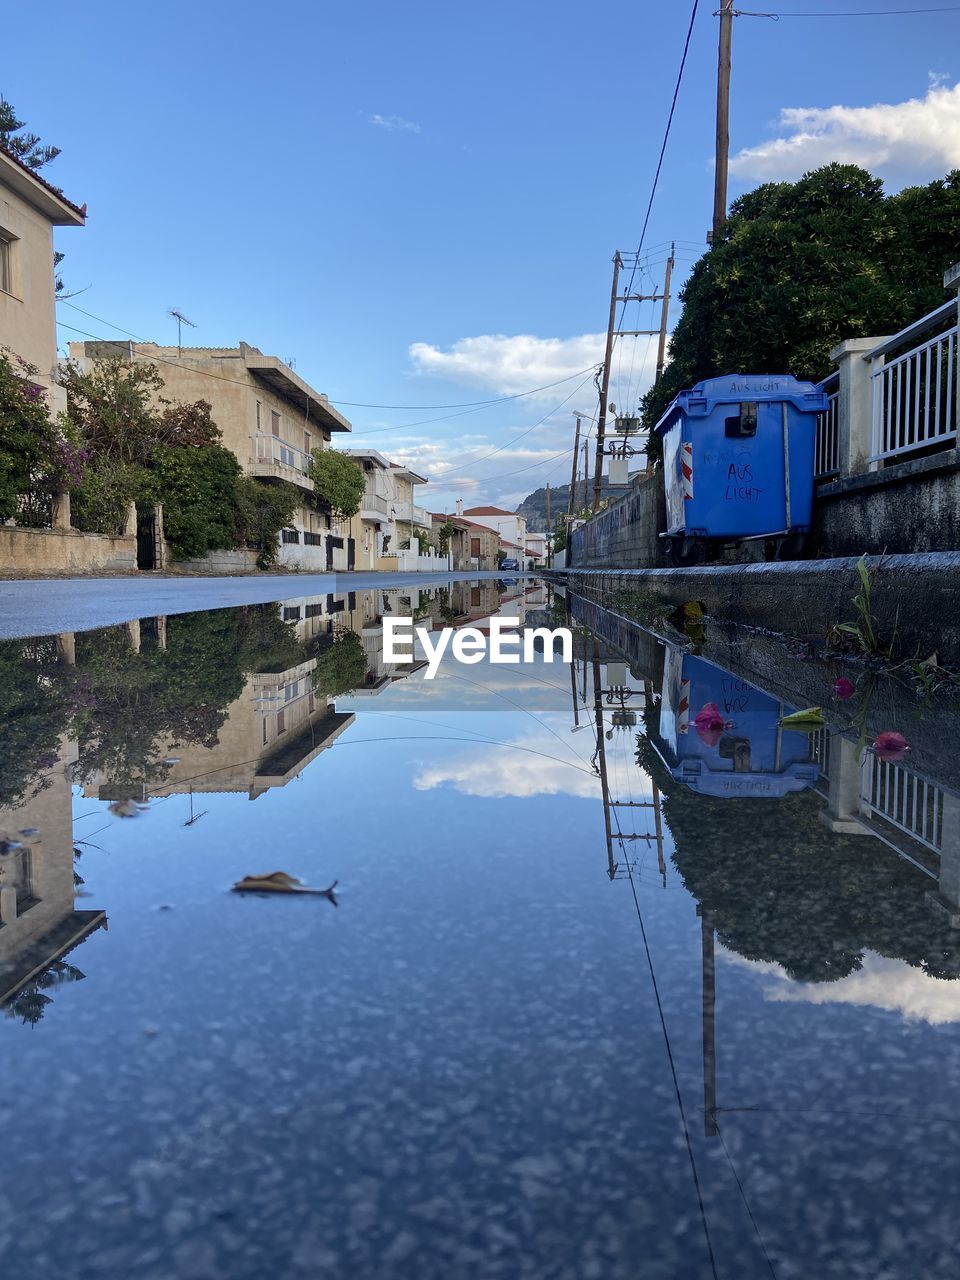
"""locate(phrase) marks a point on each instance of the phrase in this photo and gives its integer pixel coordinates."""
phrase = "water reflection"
(605, 995)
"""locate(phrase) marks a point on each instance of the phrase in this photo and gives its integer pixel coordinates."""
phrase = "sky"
(418, 204)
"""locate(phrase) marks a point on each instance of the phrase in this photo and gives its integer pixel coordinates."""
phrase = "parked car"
(510, 563)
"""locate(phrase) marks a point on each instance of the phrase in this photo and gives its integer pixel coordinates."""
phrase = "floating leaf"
(806, 721)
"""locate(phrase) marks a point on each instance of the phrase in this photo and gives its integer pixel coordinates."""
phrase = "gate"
(146, 538)
(351, 553)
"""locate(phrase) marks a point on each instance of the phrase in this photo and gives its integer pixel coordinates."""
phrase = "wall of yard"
(626, 531)
(37, 553)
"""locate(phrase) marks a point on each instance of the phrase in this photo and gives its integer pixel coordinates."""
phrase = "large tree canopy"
(800, 266)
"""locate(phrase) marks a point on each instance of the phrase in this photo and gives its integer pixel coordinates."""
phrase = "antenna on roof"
(181, 319)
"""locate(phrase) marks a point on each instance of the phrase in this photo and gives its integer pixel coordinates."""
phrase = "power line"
(855, 13)
(663, 149)
(355, 404)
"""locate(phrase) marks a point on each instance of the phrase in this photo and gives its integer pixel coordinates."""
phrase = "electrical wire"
(663, 149)
(857, 13)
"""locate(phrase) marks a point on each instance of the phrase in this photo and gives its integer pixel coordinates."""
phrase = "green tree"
(38, 457)
(198, 488)
(263, 509)
(799, 266)
(337, 481)
(26, 147)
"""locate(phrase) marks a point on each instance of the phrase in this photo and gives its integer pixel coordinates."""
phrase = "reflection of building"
(271, 421)
(29, 210)
(39, 924)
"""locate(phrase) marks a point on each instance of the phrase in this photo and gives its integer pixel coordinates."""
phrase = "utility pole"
(723, 118)
(605, 382)
(573, 477)
(549, 537)
(664, 313)
(586, 475)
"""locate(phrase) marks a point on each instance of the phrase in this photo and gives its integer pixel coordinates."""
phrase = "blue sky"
(419, 202)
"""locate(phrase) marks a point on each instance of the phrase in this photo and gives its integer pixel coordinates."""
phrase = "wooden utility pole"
(549, 537)
(586, 475)
(605, 382)
(571, 500)
(723, 118)
(664, 313)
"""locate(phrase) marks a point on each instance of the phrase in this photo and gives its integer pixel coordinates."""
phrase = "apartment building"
(373, 529)
(271, 420)
(29, 210)
(410, 519)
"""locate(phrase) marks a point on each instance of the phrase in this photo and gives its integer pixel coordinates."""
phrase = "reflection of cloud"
(881, 983)
(920, 137)
(502, 771)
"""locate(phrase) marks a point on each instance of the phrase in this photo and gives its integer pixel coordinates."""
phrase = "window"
(274, 422)
(311, 703)
(6, 264)
(281, 723)
(307, 443)
(264, 731)
(259, 416)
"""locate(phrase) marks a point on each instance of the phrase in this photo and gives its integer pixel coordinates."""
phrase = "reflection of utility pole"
(549, 534)
(708, 966)
(602, 756)
(194, 817)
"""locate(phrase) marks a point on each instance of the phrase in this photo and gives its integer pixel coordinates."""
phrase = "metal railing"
(373, 502)
(897, 795)
(271, 448)
(827, 452)
(913, 395)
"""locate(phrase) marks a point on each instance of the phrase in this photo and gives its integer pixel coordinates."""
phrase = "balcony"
(271, 456)
(373, 507)
(412, 514)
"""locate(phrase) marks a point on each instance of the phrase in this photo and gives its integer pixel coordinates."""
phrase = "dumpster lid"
(735, 388)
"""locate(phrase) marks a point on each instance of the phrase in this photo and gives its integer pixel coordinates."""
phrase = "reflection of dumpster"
(743, 752)
(738, 456)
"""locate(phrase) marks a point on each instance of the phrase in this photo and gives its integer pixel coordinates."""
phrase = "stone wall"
(238, 560)
(37, 553)
(910, 507)
(626, 531)
(807, 597)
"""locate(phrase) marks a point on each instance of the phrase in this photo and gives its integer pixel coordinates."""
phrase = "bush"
(198, 486)
(262, 510)
(341, 667)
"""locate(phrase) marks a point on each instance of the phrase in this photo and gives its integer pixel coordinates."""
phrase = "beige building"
(409, 518)
(270, 418)
(29, 210)
(373, 529)
(472, 546)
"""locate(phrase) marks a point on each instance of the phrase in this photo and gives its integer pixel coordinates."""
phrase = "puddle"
(608, 992)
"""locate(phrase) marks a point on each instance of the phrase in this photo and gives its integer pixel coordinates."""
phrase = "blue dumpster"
(738, 456)
(737, 748)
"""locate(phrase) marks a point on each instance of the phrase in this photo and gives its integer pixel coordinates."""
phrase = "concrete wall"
(625, 532)
(27, 320)
(910, 507)
(807, 597)
(34, 553)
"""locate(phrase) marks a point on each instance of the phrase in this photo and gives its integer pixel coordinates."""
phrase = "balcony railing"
(412, 514)
(914, 394)
(373, 502)
(271, 449)
(827, 455)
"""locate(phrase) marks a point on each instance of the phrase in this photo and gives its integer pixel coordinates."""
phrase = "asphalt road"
(42, 607)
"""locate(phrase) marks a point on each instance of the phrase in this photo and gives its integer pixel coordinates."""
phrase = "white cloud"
(919, 138)
(508, 365)
(493, 772)
(881, 983)
(394, 124)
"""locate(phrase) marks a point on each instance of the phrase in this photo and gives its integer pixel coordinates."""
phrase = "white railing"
(413, 514)
(827, 455)
(373, 502)
(913, 395)
(272, 449)
(891, 792)
(820, 750)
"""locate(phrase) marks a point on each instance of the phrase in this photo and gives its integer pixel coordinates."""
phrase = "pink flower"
(844, 688)
(891, 746)
(710, 724)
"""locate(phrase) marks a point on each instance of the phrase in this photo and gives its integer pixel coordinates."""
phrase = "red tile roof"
(488, 511)
(81, 211)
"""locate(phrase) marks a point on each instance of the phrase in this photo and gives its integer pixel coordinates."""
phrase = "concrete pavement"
(43, 606)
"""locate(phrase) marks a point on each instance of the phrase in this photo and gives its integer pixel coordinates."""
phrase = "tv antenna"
(181, 319)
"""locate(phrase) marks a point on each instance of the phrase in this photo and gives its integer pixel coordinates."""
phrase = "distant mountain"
(534, 505)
